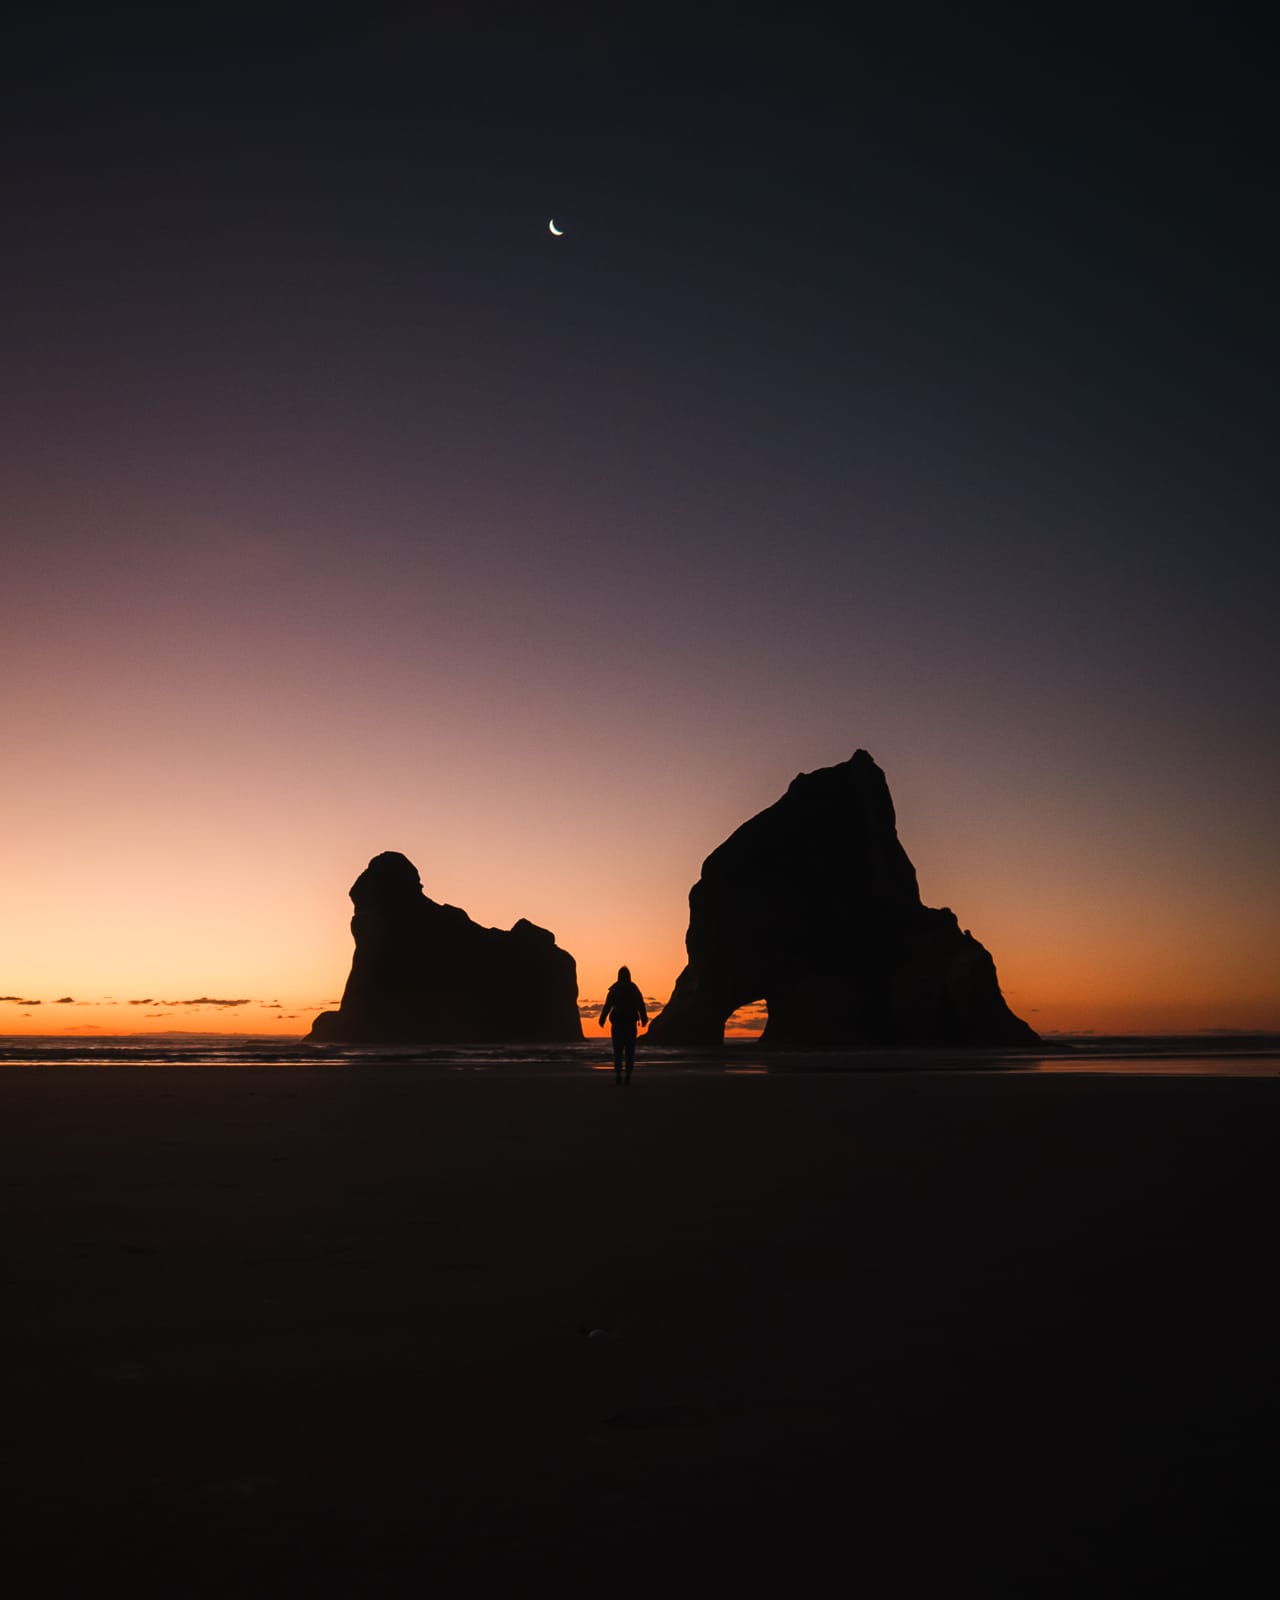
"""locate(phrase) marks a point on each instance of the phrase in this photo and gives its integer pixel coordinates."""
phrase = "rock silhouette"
(813, 907)
(425, 973)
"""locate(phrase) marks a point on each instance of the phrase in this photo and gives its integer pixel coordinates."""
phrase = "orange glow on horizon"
(1069, 1009)
(252, 907)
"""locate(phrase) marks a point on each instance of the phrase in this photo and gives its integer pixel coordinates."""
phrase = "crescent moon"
(554, 229)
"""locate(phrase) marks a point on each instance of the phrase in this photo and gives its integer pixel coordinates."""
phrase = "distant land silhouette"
(813, 907)
(425, 973)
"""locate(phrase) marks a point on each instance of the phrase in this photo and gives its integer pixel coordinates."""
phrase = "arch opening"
(747, 1022)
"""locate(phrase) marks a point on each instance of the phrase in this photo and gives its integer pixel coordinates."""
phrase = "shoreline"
(1252, 1053)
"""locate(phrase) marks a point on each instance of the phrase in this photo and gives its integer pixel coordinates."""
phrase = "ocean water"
(1213, 1055)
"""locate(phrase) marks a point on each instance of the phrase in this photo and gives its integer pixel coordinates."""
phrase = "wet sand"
(324, 1330)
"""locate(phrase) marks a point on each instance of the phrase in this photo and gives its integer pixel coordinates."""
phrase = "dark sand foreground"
(321, 1330)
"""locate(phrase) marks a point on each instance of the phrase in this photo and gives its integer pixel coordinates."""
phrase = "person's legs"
(624, 1052)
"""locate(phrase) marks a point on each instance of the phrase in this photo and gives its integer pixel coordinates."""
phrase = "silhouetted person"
(624, 1009)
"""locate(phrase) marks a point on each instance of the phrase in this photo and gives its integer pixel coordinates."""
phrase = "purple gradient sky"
(914, 394)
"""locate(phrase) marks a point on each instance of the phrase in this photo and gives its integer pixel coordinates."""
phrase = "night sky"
(911, 388)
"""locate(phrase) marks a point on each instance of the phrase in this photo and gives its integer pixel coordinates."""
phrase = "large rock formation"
(424, 973)
(813, 907)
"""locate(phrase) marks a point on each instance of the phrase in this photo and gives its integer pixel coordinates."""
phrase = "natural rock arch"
(813, 906)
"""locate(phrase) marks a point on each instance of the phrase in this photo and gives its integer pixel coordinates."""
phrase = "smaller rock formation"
(813, 907)
(425, 973)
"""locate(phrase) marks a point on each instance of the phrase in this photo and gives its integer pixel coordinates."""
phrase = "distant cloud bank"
(591, 1008)
(204, 1000)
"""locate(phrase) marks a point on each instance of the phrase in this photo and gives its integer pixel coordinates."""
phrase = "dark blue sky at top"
(996, 289)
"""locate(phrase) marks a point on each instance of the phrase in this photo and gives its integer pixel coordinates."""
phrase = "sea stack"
(813, 907)
(425, 973)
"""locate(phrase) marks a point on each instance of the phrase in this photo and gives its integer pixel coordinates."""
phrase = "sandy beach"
(325, 1329)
